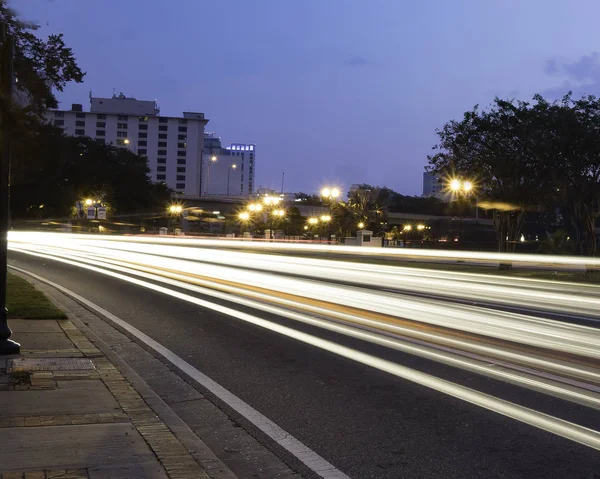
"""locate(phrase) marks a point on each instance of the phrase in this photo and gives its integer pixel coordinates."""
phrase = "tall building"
(173, 145)
(433, 185)
(227, 170)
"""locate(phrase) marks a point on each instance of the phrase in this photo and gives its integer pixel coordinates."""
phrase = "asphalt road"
(365, 422)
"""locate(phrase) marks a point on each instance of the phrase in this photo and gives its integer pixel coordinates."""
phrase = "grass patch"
(24, 301)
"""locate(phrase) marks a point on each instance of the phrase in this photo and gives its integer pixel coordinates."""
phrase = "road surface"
(383, 372)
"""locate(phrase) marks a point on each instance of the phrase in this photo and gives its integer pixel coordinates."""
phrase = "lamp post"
(463, 188)
(7, 346)
(174, 211)
(329, 194)
(213, 159)
(275, 214)
(232, 167)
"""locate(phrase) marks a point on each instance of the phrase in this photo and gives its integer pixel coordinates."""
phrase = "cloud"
(582, 76)
(357, 61)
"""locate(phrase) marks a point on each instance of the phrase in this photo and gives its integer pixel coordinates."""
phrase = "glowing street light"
(126, 141)
(244, 216)
(325, 218)
(271, 200)
(330, 193)
(279, 213)
(89, 202)
(255, 207)
(313, 221)
(420, 227)
(361, 225)
(175, 209)
(407, 228)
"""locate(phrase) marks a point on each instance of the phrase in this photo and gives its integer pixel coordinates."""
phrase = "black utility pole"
(7, 346)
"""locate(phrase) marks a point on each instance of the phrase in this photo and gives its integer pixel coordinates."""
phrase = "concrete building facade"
(173, 145)
(433, 185)
(230, 170)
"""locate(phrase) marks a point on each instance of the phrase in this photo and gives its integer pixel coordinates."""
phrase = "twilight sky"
(331, 91)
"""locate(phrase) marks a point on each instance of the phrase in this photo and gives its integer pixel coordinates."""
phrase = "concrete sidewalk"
(66, 411)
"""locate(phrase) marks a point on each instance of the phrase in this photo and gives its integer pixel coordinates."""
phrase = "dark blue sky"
(331, 91)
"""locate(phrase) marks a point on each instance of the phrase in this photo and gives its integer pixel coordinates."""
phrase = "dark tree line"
(528, 157)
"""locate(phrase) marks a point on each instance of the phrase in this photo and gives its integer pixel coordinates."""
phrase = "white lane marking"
(306, 455)
(560, 427)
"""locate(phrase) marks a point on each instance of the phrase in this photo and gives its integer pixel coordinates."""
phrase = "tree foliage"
(57, 170)
(39, 65)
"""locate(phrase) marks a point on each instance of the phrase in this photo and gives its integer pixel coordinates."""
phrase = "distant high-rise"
(173, 145)
(218, 172)
(433, 185)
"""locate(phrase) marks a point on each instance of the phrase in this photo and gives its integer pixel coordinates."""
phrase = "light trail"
(553, 357)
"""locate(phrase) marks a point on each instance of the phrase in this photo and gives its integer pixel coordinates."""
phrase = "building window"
(180, 186)
(100, 132)
(100, 124)
(121, 134)
(162, 144)
(161, 168)
(181, 161)
(142, 135)
(162, 136)
(161, 177)
(100, 141)
(79, 115)
(59, 114)
(161, 161)
(101, 117)
(163, 127)
(59, 122)
(143, 119)
(163, 120)
(80, 123)
(142, 152)
(80, 132)
(182, 121)
(123, 126)
(161, 152)
(180, 177)
(121, 117)
(143, 127)
(182, 137)
(142, 143)
(181, 169)
(183, 129)
(181, 145)
(181, 153)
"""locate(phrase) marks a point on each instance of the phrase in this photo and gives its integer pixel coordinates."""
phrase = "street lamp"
(463, 188)
(278, 213)
(89, 202)
(213, 159)
(330, 193)
(255, 207)
(232, 167)
(420, 227)
(407, 228)
(126, 141)
(360, 225)
(244, 216)
(174, 210)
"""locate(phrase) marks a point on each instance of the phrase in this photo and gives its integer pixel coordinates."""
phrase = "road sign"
(101, 213)
(91, 213)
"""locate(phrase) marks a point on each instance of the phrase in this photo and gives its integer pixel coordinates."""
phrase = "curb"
(156, 422)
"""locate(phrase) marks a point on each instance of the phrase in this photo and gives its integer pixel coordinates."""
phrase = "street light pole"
(213, 159)
(234, 166)
(7, 346)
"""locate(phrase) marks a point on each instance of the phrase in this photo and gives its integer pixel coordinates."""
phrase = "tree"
(57, 170)
(500, 148)
(572, 142)
(39, 65)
